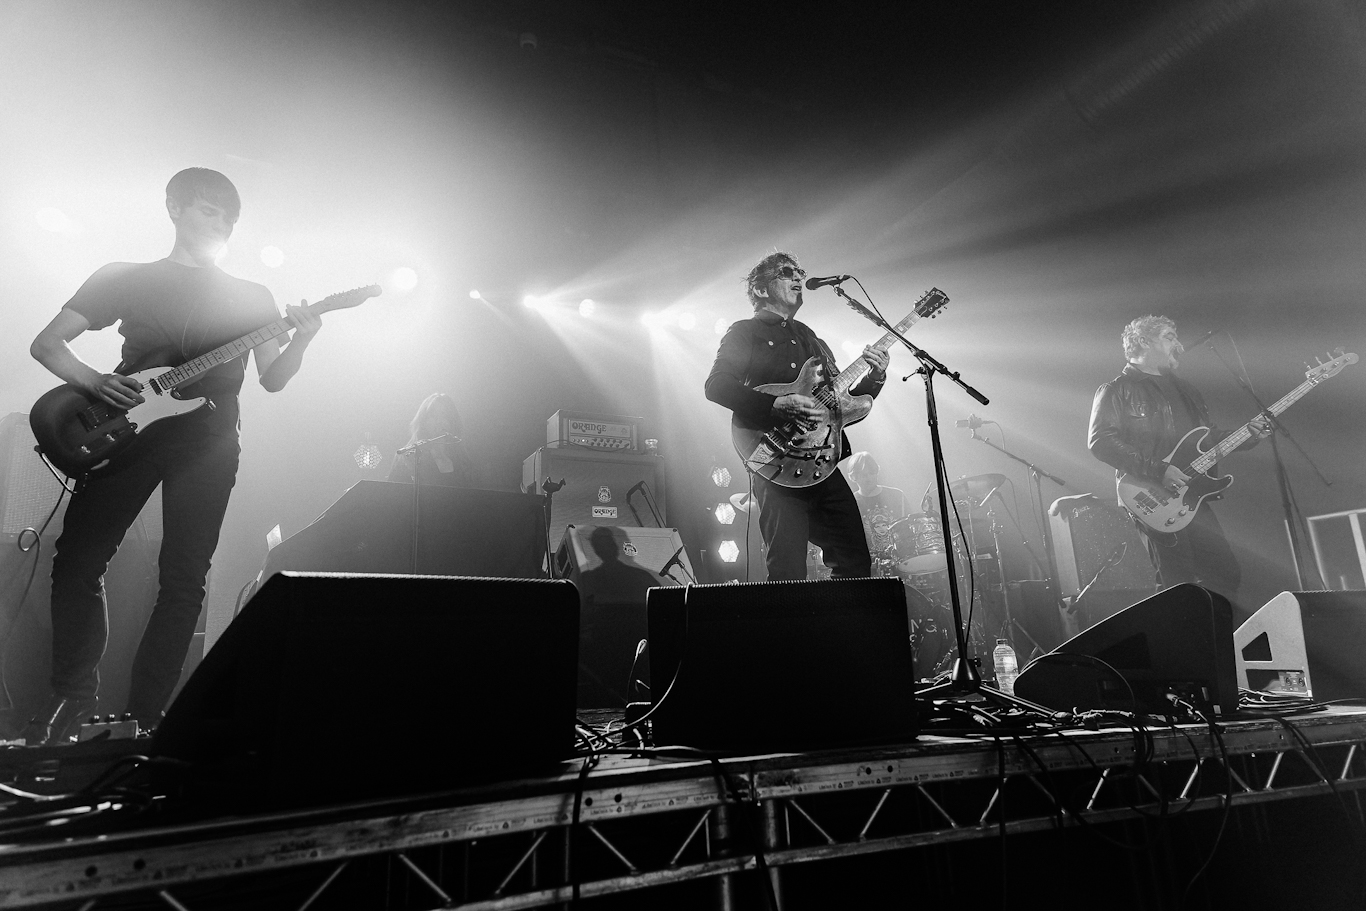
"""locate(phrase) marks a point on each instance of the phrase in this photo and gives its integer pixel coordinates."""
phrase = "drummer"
(879, 505)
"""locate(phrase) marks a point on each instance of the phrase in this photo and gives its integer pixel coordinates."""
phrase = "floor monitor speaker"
(779, 666)
(1306, 644)
(338, 687)
(1178, 641)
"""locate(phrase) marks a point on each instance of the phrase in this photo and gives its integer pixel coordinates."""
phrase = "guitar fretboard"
(220, 355)
(1240, 436)
(852, 375)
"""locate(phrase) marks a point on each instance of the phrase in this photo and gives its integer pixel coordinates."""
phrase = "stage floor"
(616, 821)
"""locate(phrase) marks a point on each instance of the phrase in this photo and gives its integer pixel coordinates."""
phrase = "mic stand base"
(965, 685)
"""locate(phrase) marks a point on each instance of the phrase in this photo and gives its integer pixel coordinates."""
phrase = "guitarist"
(771, 347)
(1136, 421)
(169, 312)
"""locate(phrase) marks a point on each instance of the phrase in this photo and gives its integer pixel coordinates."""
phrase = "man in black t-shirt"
(772, 347)
(169, 312)
(1136, 421)
(881, 507)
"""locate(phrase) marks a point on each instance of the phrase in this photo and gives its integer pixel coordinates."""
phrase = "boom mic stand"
(415, 450)
(965, 679)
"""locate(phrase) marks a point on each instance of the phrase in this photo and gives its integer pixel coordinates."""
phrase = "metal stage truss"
(646, 821)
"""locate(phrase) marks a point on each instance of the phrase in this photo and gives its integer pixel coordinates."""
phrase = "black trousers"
(1198, 553)
(826, 515)
(196, 472)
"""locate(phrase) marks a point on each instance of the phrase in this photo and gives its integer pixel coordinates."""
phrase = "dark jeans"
(197, 473)
(1198, 553)
(826, 515)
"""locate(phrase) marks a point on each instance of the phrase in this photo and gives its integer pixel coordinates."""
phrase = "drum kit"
(916, 555)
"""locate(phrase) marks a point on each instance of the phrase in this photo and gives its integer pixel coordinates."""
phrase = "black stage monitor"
(332, 687)
(781, 666)
(1178, 641)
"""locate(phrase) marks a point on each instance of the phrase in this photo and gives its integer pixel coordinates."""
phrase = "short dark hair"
(208, 185)
(764, 272)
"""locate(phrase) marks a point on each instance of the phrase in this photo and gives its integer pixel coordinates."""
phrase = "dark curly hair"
(763, 273)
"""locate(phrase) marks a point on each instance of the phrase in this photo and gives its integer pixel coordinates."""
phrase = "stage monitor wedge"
(1179, 641)
(1306, 644)
(781, 666)
(334, 687)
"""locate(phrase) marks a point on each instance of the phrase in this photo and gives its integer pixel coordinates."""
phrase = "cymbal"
(977, 487)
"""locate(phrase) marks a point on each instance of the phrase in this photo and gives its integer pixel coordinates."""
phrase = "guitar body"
(794, 455)
(79, 434)
(1160, 509)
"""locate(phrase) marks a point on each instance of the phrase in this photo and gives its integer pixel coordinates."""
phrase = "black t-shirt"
(1184, 416)
(169, 314)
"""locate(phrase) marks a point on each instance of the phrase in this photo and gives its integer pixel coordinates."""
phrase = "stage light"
(587, 307)
(720, 476)
(53, 220)
(405, 279)
(273, 257)
(720, 326)
(475, 295)
(367, 455)
(725, 513)
(687, 321)
(650, 320)
(728, 551)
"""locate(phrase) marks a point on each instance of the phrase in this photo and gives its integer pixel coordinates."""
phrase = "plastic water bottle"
(1007, 669)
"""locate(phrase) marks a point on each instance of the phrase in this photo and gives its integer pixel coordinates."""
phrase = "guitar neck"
(1240, 436)
(852, 375)
(222, 354)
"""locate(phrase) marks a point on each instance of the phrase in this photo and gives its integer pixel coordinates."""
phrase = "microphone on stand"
(1201, 340)
(813, 283)
(972, 423)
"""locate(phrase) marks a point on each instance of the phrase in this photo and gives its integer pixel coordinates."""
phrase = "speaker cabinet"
(1179, 641)
(601, 488)
(613, 567)
(338, 687)
(777, 666)
(1097, 541)
(1306, 644)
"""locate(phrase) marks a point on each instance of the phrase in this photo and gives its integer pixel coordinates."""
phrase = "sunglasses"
(790, 272)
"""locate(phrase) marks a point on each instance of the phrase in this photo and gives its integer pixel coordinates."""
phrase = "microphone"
(672, 561)
(972, 423)
(813, 283)
(1200, 341)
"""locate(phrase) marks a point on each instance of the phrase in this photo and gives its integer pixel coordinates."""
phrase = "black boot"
(58, 720)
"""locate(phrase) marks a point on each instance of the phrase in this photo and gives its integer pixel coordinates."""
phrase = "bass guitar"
(79, 433)
(801, 454)
(1162, 509)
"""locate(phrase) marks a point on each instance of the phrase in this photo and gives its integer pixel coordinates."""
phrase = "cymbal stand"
(965, 680)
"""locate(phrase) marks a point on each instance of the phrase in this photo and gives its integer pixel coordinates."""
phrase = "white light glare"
(721, 326)
(725, 513)
(850, 348)
(687, 321)
(475, 295)
(53, 220)
(405, 279)
(650, 320)
(273, 257)
(728, 551)
(587, 307)
(720, 476)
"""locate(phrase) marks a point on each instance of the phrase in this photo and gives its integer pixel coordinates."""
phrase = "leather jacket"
(1132, 428)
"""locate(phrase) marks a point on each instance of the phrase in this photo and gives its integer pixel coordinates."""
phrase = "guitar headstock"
(1323, 370)
(931, 303)
(343, 300)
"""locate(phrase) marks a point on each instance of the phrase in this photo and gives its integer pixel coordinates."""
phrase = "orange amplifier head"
(607, 432)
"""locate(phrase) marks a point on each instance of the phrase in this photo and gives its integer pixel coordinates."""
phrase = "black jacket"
(1132, 428)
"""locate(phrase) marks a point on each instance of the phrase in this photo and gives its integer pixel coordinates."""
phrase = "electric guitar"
(1161, 509)
(799, 453)
(79, 433)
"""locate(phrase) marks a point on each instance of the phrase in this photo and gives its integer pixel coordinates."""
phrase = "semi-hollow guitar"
(800, 454)
(1162, 509)
(80, 434)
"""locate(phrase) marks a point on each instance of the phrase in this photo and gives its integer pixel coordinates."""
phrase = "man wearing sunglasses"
(771, 347)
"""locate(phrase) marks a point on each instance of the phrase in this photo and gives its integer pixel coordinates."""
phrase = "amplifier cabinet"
(1092, 536)
(600, 488)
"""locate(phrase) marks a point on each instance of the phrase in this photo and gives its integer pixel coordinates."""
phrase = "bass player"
(169, 311)
(771, 347)
(1136, 421)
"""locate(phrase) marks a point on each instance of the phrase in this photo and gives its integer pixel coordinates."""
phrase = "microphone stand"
(965, 679)
(1293, 519)
(414, 450)
(1036, 476)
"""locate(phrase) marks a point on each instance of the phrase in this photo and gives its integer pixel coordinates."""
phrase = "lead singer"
(771, 347)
